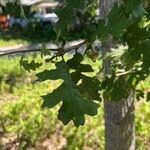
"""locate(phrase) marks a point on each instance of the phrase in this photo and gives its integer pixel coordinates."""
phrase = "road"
(11, 50)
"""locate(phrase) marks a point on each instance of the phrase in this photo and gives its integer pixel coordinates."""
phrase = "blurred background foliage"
(24, 125)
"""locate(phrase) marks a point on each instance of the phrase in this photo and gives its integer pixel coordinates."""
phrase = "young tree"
(121, 22)
(119, 115)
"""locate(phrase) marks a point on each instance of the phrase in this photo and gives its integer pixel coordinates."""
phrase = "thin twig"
(75, 47)
(124, 73)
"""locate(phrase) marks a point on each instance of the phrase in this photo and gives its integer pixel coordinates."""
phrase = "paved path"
(36, 47)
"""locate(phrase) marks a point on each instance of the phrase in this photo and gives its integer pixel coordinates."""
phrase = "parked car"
(44, 15)
(49, 18)
(43, 20)
(17, 21)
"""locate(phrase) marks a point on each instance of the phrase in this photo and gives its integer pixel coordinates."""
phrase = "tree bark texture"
(119, 115)
(119, 124)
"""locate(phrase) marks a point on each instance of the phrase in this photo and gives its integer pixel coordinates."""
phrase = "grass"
(12, 42)
(33, 33)
(13, 39)
(9, 40)
(23, 124)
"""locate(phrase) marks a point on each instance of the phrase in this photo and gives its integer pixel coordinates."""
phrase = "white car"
(50, 17)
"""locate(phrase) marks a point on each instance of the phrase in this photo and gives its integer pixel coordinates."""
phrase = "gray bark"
(119, 115)
(119, 124)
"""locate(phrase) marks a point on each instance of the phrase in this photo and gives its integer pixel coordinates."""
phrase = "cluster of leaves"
(66, 21)
(75, 103)
(14, 8)
(134, 61)
(127, 24)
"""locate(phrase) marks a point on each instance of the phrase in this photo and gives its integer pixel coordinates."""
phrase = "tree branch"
(124, 73)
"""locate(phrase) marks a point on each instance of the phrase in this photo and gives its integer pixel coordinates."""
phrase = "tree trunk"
(119, 124)
(119, 116)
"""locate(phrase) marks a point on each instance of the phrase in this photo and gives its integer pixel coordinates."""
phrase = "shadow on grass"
(24, 36)
(10, 36)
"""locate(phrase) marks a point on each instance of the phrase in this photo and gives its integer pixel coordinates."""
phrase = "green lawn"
(23, 124)
(10, 40)
(26, 36)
